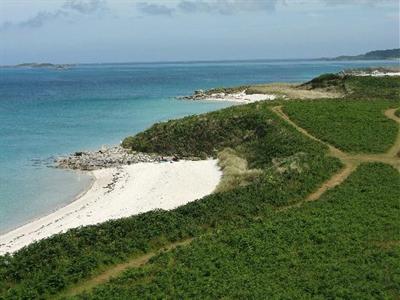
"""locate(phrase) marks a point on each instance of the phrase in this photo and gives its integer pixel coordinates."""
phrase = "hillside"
(307, 208)
(371, 55)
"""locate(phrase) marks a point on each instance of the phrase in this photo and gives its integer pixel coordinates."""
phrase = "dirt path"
(394, 151)
(116, 270)
(350, 161)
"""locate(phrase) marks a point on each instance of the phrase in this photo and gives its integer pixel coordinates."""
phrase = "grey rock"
(106, 158)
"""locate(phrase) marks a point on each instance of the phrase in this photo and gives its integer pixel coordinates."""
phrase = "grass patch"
(258, 139)
(368, 87)
(293, 91)
(352, 126)
(343, 246)
(328, 249)
(235, 171)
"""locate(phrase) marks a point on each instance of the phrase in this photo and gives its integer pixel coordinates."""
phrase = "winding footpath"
(116, 270)
(350, 161)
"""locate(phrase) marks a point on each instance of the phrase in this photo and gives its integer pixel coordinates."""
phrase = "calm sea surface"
(45, 113)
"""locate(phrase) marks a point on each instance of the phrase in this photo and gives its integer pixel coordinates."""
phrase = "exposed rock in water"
(107, 158)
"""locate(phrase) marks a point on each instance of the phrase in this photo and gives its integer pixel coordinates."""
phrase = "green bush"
(335, 248)
(255, 133)
(353, 126)
(339, 247)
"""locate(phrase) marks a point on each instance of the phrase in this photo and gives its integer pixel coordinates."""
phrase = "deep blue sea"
(45, 113)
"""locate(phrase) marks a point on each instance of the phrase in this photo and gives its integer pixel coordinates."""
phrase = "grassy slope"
(353, 126)
(350, 126)
(261, 136)
(255, 135)
(338, 247)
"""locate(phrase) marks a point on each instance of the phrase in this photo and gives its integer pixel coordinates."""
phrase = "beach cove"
(39, 121)
(122, 192)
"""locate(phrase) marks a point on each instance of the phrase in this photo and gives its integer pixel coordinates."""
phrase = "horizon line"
(196, 61)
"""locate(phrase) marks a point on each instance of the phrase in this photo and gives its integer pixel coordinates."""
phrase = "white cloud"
(70, 6)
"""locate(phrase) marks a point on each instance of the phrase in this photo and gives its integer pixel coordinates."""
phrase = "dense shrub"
(353, 126)
(254, 132)
(338, 247)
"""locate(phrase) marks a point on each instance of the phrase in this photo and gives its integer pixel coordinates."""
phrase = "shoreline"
(58, 207)
(121, 192)
(238, 97)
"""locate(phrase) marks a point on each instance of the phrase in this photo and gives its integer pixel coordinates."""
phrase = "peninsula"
(302, 187)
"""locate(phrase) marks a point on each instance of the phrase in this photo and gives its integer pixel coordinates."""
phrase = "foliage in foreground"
(316, 251)
(255, 134)
(353, 126)
(344, 246)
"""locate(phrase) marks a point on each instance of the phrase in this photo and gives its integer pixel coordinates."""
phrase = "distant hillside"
(372, 55)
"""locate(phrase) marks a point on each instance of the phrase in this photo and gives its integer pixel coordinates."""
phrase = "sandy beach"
(122, 192)
(241, 97)
(234, 97)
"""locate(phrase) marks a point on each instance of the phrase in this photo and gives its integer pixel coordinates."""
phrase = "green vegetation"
(227, 90)
(255, 134)
(326, 81)
(352, 126)
(368, 87)
(357, 87)
(257, 232)
(338, 247)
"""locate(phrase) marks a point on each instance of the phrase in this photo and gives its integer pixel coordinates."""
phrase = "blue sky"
(87, 31)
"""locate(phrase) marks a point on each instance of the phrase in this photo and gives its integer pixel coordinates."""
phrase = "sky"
(96, 31)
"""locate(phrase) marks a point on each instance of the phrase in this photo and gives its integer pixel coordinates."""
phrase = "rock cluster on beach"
(197, 95)
(106, 158)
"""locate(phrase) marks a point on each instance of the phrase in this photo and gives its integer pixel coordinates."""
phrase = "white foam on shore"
(122, 192)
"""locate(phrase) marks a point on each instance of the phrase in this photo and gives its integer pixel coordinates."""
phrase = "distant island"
(371, 55)
(41, 65)
(388, 54)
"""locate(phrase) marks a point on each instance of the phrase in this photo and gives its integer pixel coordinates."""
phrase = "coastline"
(121, 192)
(78, 195)
(240, 97)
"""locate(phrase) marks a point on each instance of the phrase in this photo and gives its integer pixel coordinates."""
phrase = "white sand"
(378, 74)
(240, 97)
(138, 188)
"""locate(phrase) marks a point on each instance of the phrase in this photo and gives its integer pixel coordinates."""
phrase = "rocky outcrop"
(106, 158)
(197, 95)
(235, 96)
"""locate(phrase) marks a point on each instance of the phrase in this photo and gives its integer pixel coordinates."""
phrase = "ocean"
(45, 113)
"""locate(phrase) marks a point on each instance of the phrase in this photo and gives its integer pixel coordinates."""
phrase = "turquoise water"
(45, 113)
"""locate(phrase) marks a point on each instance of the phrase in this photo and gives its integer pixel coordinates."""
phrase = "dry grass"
(292, 91)
(235, 171)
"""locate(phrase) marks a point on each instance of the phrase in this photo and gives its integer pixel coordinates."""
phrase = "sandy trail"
(122, 192)
(116, 270)
(350, 161)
